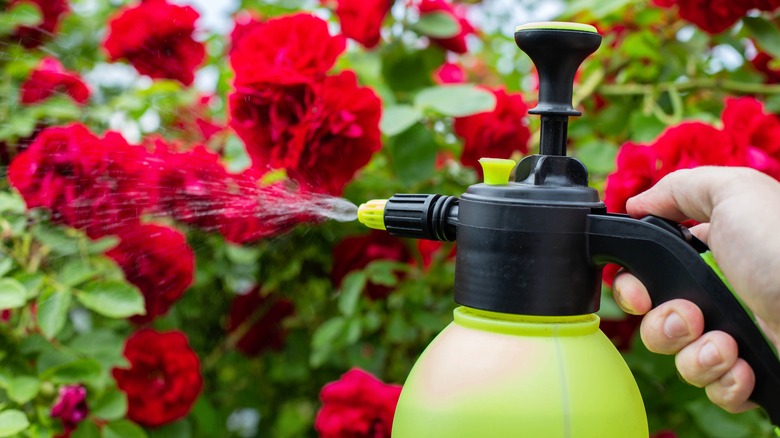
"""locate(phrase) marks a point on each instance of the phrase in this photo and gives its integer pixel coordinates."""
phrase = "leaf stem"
(693, 84)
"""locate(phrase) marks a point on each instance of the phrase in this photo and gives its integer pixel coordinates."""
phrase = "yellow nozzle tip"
(372, 214)
(497, 170)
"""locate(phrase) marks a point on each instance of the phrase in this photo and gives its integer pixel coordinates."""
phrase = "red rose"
(763, 63)
(755, 132)
(70, 407)
(164, 379)
(264, 316)
(321, 134)
(159, 262)
(99, 185)
(193, 185)
(494, 134)
(715, 16)
(362, 20)
(455, 43)
(356, 252)
(245, 23)
(156, 37)
(766, 5)
(52, 12)
(357, 405)
(292, 49)
(50, 77)
(685, 146)
(636, 172)
(665, 434)
(449, 73)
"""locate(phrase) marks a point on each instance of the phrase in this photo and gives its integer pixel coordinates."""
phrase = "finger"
(671, 326)
(689, 193)
(732, 390)
(701, 231)
(630, 294)
(707, 359)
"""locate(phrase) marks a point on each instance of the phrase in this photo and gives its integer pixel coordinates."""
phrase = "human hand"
(739, 214)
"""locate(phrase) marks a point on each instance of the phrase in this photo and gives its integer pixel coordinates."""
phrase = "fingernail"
(709, 356)
(728, 379)
(674, 326)
(622, 302)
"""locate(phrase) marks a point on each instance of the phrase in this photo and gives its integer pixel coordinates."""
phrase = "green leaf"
(765, 34)
(23, 14)
(56, 239)
(53, 308)
(76, 371)
(103, 345)
(40, 430)
(114, 299)
(178, 429)
(603, 8)
(717, 423)
(325, 339)
(6, 265)
(12, 422)
(102, 245)
(11, 203)
(328, 332)
(242, 255)
(23, 389)
(437, 24)
(351, 289)
(26, 14)
(123, 429)
(598, 156)
(413, 154)
(32, 282)
(398, 118)
(75, 272)
(382, 272)
(12, 294)
(643, 44)
(645, 128)
(205, 417)
(456, 100)
(408, 71)
(112, 405)
(86, 429)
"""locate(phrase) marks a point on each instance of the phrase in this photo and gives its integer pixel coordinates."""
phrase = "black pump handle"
(671, 268)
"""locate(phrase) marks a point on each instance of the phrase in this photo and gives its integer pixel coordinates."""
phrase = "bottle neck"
(526, 325)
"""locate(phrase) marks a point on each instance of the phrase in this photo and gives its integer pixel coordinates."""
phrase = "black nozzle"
(557, 50)
(431, 217)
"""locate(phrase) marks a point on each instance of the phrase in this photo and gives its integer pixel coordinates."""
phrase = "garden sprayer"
(524, 355)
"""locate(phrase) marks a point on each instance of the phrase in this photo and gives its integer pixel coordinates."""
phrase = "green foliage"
(12, 422)
(437, 25)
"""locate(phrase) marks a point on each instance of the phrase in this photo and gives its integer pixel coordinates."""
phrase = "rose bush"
(167, 268)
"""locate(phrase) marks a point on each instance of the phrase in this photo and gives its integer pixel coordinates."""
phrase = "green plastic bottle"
(499, 375)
